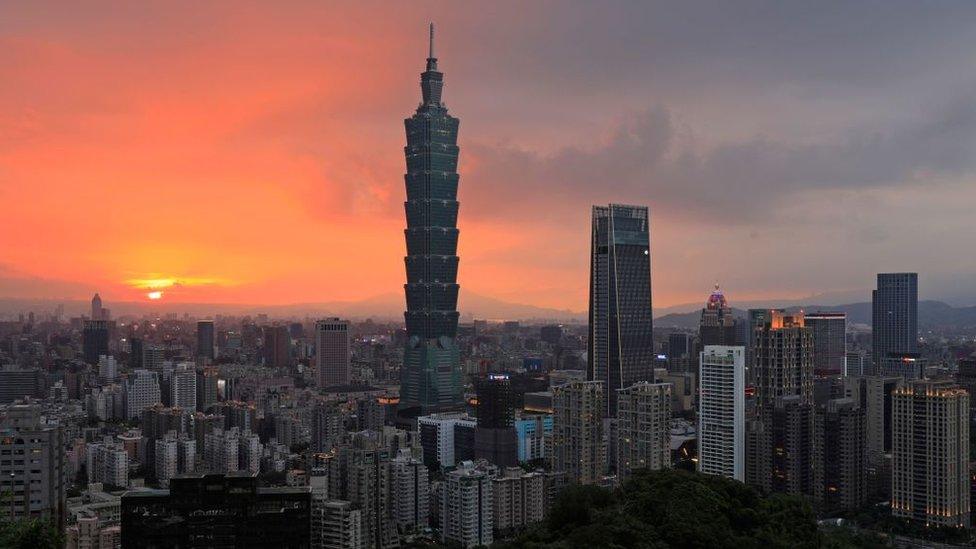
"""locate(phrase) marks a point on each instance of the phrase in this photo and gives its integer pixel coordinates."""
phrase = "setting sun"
(154, 295)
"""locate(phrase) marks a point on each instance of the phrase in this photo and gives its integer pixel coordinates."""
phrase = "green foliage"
(674, 509)
(29, 534)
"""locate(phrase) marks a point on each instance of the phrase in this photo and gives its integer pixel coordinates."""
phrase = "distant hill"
(931, 314)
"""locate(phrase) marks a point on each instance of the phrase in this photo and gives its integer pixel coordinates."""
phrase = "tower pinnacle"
(430, 54)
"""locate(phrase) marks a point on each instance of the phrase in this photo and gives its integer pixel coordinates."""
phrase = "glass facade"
(431, 376)
(621, 347)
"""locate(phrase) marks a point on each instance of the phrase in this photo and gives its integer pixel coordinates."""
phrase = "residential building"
(721, 412)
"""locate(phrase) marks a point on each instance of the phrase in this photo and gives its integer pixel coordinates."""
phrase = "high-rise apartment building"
(643, 428)
(141, 391)
(410, 492)
(205, 340)
(431, 372)
(183, 387)
(368, 485)
(829, 342)
(782, 357)
(840, 454)
(577, 431)
(519, 500)
(108, 463)
(332, 352)
(33, 487)
(206, 386)
(930, 453)
(336, 524)
(222, 451)
(894, 317)
(620, 349)
(721, 412)
(437, 437)
(467, 506)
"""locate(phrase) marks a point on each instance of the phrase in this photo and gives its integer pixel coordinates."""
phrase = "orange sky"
(254, 155)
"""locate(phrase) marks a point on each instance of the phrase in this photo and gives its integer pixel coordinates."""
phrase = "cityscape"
(546, 404)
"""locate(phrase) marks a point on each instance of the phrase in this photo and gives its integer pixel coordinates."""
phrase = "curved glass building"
(431, 377)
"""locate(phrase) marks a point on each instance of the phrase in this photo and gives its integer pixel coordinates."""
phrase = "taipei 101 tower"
(430, 378)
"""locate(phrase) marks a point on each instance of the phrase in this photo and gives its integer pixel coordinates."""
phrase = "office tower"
(894, 325)
(717, 325)
(680, 350)
(519, 500)
(206, 386)
(95, 339)
(238, 513)
(431, 372)
(153, 356)
(108, 369)
(183, 387)
(222, 451)
(437, 434)
(410, 492)
(17, 383)
(533, 432)
(855, 364)
(829, 342)
(108, 463)
(277, 346)
(495, 436)
(141, 392)
(332, 352)
(620, 349)
(577, 431)
(466, 506)
(551, 334)
(930, 454)
(782, 357)
(135, 353)
(205, 340)
(643, 428)
(35, 489)
(840, 454)
(721, 412)
(96, 308)
(336, 524)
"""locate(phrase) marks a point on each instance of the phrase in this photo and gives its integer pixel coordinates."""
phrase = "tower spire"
(430, 54)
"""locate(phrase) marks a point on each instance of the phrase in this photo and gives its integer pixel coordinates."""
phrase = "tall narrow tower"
(431, 375)
(620, 351)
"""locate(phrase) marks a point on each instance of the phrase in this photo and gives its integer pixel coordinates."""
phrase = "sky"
(239, 152)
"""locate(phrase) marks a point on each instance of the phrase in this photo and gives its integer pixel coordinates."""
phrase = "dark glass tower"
(895, 317)
(431, 374)
(621, 348)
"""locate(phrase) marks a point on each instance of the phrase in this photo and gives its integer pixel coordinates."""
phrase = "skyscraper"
(332, 352)
(829, 342)
(894, 317)
(930, 453)
(205, 339)
(840, 457)
(95, 337)
(721, 412)
(717, 325)
(782, 356)
(277, 346)
(431, 373)
(96, 308)
(620, 350)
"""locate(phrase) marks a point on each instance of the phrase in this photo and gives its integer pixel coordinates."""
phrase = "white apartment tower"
(721, 411)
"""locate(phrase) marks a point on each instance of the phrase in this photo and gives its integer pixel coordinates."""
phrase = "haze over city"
(228, 153)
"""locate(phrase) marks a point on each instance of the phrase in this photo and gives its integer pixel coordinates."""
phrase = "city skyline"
(260, 135)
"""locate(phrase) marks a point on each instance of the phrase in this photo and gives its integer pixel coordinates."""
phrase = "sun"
(155, 295)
